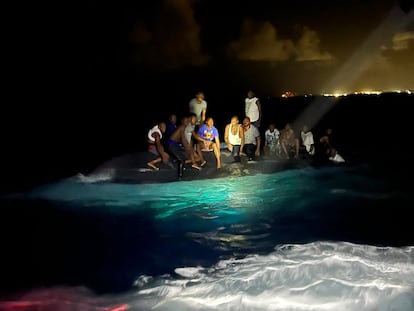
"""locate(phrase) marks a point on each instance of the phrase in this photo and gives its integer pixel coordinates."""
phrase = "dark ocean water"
(330, 237)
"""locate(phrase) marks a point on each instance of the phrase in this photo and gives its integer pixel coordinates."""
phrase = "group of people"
(195, 134)
(285, 143)
(186, 141)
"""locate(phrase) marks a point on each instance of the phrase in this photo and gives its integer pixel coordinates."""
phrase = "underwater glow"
(275, 241)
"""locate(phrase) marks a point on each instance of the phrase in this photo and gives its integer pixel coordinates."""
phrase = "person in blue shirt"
(208, 139)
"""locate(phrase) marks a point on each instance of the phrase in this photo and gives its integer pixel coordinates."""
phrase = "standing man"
(198, 106)
(253, 109)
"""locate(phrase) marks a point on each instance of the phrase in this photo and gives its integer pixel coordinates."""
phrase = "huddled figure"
(271, 145)
(252, 140)
(155, 146)
(234, 138)
(209, 140)
(180, 147)
(307, 140)
(289, 142)
(328, 147)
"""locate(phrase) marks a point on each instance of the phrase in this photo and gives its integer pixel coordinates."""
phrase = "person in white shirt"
(155, 145)
(234, 137)
(253, 109)
(271, 140)
(306, 136)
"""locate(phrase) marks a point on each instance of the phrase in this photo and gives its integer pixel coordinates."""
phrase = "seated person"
(208, 138)
(307, 140)
(252, 140)
(155, 146)
(289, 141)
(271, 140)
(326, 144)
(190, 133)
(234, 137)
(179, 147)
(328, 148)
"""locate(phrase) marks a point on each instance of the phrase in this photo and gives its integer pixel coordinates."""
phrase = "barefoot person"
(234, 137)
(155, 145)
(208, 138)
(181, 149)
(289, 141)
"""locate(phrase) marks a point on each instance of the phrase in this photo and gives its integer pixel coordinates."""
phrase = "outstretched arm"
(203, 115)
(226, 137)
(258, 142)
(259, 106)
(241, 135)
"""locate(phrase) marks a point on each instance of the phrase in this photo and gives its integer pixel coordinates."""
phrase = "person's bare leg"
(153, 162)
(296, 148)
(284, 149)
(200, 154)
(216, 151)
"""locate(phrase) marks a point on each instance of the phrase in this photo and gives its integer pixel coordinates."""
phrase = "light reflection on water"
(210, 244)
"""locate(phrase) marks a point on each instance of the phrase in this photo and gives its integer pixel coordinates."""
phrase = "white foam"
(104, 175)
(314, 276)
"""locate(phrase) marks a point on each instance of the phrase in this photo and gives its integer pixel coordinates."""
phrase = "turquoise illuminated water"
(300, 239)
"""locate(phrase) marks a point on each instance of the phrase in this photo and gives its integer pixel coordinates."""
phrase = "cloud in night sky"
(176, 34)
(259, 42)
(174, 41)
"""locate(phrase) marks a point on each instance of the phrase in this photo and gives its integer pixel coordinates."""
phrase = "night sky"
(81, 74)
(303, 46)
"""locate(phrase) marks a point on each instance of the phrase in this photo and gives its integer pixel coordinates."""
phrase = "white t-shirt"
(272, 137)
(307, 140)
(154, 129)
(251, 109)
(234, 139)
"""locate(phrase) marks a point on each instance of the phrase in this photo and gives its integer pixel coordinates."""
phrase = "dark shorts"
(176, 149)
